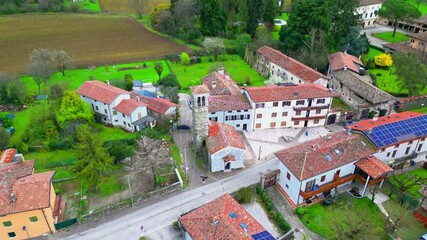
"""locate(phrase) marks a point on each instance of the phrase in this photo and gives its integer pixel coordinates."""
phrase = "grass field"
(387, 36)
(422, 7)
(235, 65)
(420, 172)
(127, 6)
(85, 5)
(90, 39)
(75, 78)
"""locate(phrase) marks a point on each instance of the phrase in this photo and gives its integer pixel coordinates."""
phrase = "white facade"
(240, 119)
(125, 121)
(404, 149)
(104, 109)
(290, 113)
(276, 70)
(216, 160)
(368, 14)
(292, 185)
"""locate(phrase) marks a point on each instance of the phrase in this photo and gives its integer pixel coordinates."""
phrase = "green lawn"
(387, 36)
(110, 133)
(58, 160)
(420, 172)
(338, 103)
(420, 110)
(75, 78)
(239, 70)
(85, 5)
(320, 218)
(414, 230)
(283, 16)
(422, 7)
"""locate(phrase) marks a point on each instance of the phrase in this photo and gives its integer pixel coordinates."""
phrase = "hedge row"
(269, 206)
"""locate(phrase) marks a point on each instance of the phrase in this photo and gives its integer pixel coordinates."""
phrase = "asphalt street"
(160, 215)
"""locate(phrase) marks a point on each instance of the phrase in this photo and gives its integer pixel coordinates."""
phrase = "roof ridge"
(221, 131)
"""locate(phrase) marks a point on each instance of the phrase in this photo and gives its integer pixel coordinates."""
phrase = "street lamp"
(25, 229)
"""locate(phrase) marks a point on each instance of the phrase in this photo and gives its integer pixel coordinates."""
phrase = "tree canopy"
(398, 10)
(411, 73)
(212, 17)
(73, 111)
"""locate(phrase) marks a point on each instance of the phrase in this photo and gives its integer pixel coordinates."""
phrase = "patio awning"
(373, 167)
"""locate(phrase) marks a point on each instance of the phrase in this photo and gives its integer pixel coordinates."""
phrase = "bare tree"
(399, 217)
(314, 51)
(150, 156)
(61, 61)
(214, 46)
(40, 66)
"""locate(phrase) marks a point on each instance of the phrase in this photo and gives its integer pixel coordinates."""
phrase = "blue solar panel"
(137, 84)
(265, 235)
(147, 94)
(393, 133)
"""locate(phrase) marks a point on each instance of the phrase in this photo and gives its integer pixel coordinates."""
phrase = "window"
(239, 110)
(272, 124)
(260, 105)
(388, 154)
(258, 125)
(284, 114)
(7, 223)
(259, 115)
(407, 150)
(297, 112)
(11, 234)
(246, 110)
(275, 104)
(286, 103)
(128, 124)
(300, 102)
(238, 125)
(288, 176)
(419, 147)
(96, 107)
(394, 153)
(212, 113)
(105, 110)
(318, 111)
(296, 123)
(274, 114)
(316, 121)
(230, 111)
(114, 112)
(287, 186)
(283, 124)
(320, 100)
(34, 219)
(124, 123)
(123, 115)
(322, 179)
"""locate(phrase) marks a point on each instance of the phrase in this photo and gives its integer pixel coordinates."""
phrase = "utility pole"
(130, 190)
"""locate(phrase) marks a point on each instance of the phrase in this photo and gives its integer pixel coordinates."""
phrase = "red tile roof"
(220, 84)
(370, 123)
(7, 155)
(29, 189)
(222, 135)
(339, 60)
(100, 91)
(304, 72)
(400, 47)
(213, 221)
(229, 103)
(340, 148)
(158, 105)
(273, 92)
(373, 167)
(200, 89)
(127, 106)
(420, 36)
(33, 191)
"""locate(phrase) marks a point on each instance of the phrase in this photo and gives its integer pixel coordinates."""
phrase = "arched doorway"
(364, 114)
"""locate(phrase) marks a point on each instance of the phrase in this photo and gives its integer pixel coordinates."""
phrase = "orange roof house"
(222, 218)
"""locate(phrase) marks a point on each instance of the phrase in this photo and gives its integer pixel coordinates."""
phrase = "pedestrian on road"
(142, 228)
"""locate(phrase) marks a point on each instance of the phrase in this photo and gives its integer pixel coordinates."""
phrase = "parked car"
(183, 127)
(287, 139)
(279, 22)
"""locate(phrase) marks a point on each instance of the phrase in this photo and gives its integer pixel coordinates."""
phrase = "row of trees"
(25, 6)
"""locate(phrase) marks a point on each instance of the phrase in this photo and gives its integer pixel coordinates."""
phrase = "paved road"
(160, 215)
(378, 29)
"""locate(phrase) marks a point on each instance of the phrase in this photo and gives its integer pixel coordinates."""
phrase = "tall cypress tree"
(254, 15)
(212, 17)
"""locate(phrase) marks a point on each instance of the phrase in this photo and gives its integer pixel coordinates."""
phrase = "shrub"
(379, 74)
(383, 60)
(222, 58)
(282, 223)
(370, 64)
(169, 80)
(301, 210)
(185, 59)
(175, 225)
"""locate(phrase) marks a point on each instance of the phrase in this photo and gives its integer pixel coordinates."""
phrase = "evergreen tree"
(243, 16)
(212, 17)
(270, 12)
(73, 111)
(254, 16)
(94, 160)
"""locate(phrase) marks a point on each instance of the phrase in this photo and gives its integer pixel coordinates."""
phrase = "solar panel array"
(147, 94)
(263, 236)
(392, 133)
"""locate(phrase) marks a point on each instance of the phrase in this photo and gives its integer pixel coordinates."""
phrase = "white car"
(279, 22)
(287, 139)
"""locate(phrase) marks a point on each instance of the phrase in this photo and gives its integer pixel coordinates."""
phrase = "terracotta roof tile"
(373, 167)
(220, 84)
(340, 148)
(199, 89)
(370, 123)
(7, 155)
(100, 91)
(400, 47)
(339, 60)
(158, 105)
(222, 135)
(273, 92)
(421, 36)
(213, 221)
(127, 106)
(229, 103)
(291, 65)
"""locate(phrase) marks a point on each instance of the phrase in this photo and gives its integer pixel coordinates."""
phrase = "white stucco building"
(114, 106)
(289, 105)
(272, 62)
(398, 137)
(225, 148)
(368, 11)
(310, 170)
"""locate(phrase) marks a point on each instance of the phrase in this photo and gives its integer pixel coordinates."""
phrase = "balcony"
(308, 118)
(338, 182)
(311, 108)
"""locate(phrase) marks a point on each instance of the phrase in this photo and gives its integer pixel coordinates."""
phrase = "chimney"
(375, 118)
(138, 99)
(329, 137)
(107, 82)
(345, 67)
(295, 93)
(19, 158)
(221, 71)
(330, 90)
(215, 220)
(12, 197)
(348, 132)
